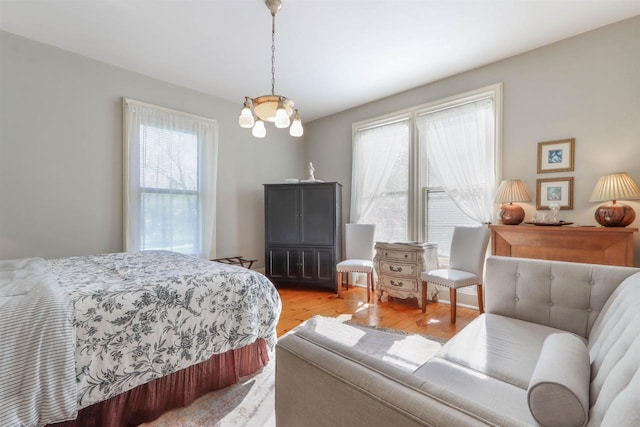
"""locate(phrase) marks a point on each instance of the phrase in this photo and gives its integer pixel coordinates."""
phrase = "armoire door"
(283, 263)
(282, 219)
(317, 213)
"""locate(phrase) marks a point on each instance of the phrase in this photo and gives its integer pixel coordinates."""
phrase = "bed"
(117, 339)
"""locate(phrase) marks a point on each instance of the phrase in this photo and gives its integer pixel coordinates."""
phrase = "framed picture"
(554, 190)
(556, 156)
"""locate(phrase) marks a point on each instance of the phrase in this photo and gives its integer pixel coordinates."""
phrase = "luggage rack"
(236, 260)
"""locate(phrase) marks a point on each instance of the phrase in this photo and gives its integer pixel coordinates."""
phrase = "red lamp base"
(511, 214)
(615, 215)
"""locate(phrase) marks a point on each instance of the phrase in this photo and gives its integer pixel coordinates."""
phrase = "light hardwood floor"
(300, 304)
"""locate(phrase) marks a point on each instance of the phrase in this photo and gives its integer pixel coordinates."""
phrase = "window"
(381, 196)
(420, 172)
(169, 180)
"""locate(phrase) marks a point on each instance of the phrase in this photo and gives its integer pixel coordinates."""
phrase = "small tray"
(549, 224)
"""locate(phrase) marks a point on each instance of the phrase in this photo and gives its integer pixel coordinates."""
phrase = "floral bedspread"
(144, 315)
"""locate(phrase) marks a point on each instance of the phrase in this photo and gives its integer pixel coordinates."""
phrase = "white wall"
(586, 87)
(61, 155)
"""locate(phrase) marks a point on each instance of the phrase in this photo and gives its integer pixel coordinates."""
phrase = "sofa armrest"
(563, 295)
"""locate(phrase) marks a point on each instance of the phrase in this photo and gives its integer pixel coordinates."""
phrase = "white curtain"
(374, 155)
(170, 163)
(460, 149)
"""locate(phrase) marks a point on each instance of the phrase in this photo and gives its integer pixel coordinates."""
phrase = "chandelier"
(271, 108)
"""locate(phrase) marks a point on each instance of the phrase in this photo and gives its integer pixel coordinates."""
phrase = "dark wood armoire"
(302, 233)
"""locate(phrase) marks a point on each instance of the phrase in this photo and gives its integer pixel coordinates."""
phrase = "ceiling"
(331, 55)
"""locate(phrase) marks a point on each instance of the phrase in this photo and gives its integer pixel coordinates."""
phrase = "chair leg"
(373, 285)
(452, 298)
(368, 288)
(339, 280)
(480, 299)
(424, 297)
(348, 274)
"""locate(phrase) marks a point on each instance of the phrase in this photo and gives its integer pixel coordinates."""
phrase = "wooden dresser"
(594, 245)
(399, 265)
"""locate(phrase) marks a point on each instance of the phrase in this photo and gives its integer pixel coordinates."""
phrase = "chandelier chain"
(273, 54)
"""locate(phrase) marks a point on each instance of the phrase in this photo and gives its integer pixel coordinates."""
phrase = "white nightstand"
(399, 264)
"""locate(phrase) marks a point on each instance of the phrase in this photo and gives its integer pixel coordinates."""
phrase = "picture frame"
(556, 156)
(554, 190)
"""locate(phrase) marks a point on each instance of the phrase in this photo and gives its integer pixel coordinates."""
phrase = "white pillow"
(558, 393)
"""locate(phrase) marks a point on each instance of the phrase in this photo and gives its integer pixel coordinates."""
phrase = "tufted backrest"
(614, 348)
(563, 295)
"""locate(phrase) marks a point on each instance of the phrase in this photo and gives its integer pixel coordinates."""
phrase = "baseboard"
(466, 298)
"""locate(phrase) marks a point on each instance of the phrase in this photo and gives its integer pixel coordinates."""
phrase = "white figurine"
(311, 170)
(312, 178)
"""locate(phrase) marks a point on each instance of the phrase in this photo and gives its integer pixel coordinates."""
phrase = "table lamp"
(617, 186)
(510, 191)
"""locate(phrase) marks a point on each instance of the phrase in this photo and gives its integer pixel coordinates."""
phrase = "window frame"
(207, 148)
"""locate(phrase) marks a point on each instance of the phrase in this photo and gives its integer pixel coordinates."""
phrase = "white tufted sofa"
(559, 344)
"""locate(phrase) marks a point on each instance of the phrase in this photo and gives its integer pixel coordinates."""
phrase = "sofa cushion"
(501, 347)
(558, 393)
(496, 402)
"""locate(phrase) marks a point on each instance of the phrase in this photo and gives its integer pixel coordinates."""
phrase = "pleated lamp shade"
(614, 187)
(512, 190)
(508, 192)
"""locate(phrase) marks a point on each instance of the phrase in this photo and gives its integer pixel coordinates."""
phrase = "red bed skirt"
(148, 401)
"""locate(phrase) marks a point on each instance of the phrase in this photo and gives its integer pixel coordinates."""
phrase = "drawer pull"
(397, 284)
(395, 269)
(406, 256)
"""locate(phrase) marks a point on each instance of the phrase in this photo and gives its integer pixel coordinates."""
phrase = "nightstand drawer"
(398, 269)
(400, 284)
(391, 255)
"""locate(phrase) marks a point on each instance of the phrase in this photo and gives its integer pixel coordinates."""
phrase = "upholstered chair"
(359, 239)
(466, 264)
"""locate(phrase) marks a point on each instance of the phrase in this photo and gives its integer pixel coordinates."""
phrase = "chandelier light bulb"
(259, 131)
(282, 119)
(296, 127)
(246, 118)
